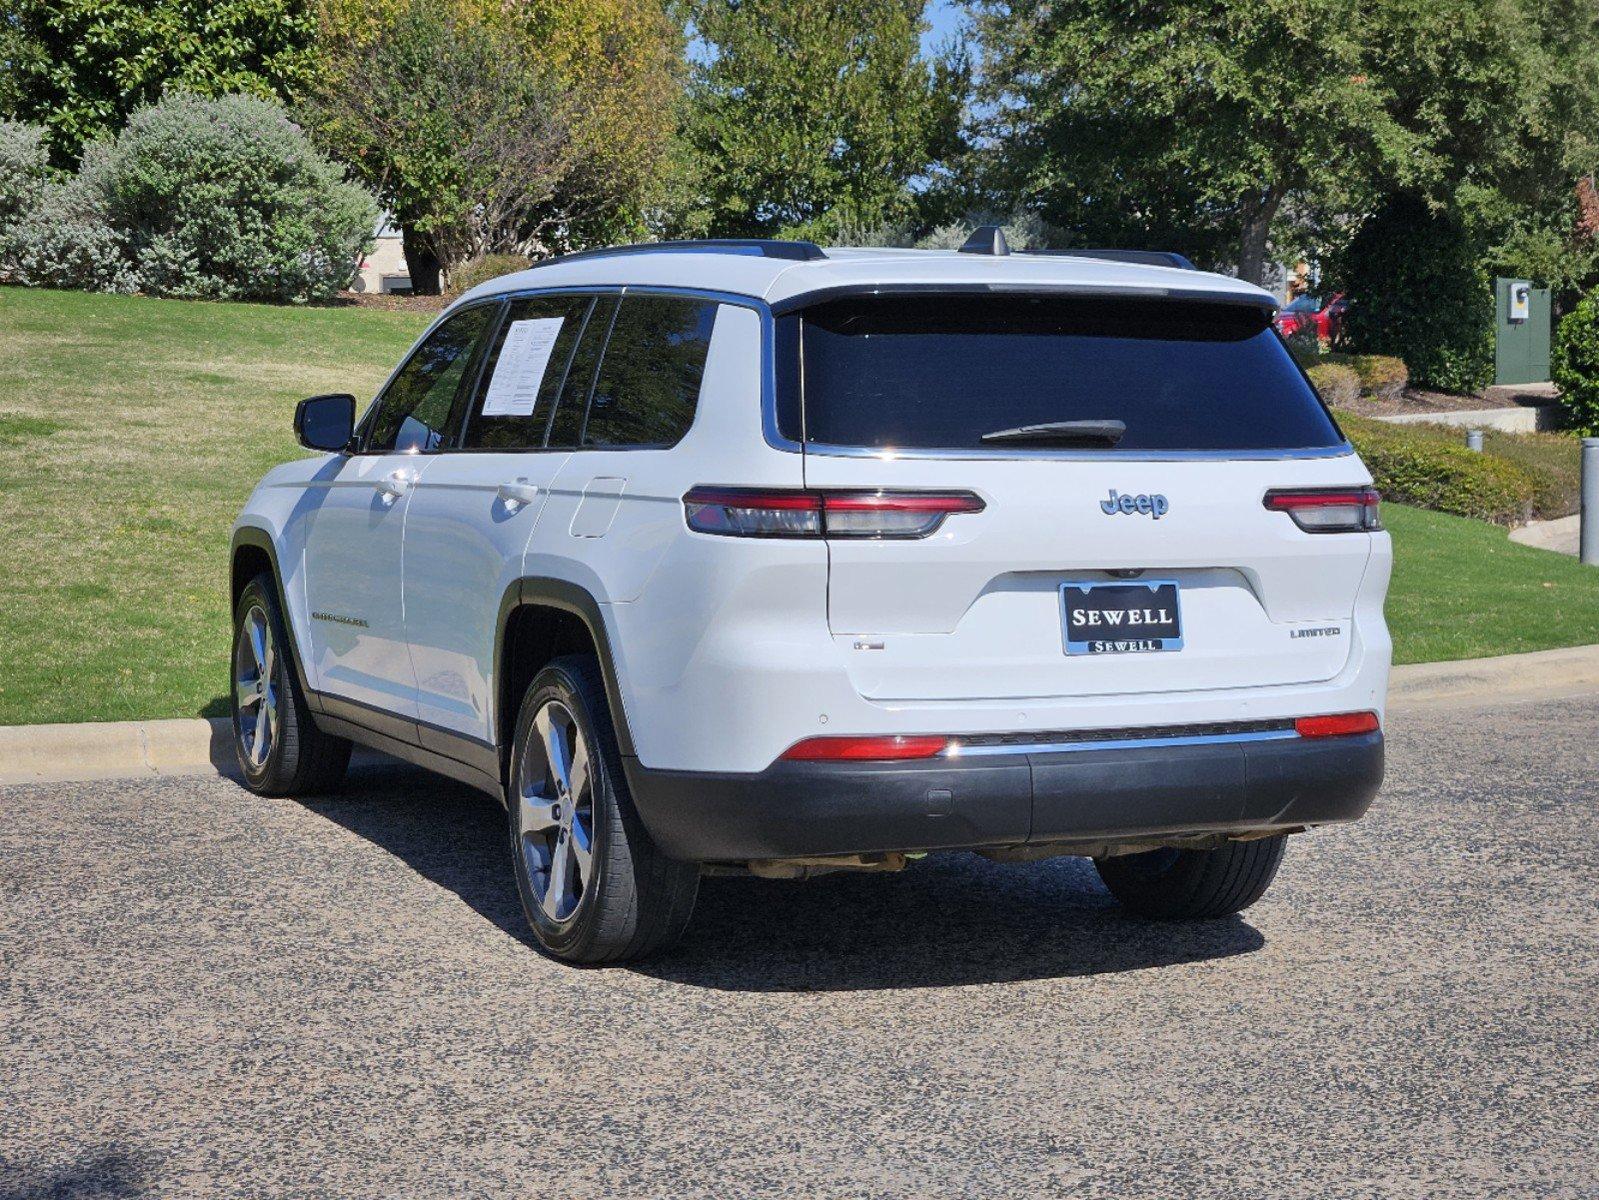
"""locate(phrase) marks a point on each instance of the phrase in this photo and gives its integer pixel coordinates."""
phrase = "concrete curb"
(125, 750)
(1507, 420)
(196, 746)
(115, 749)
(1573, 670)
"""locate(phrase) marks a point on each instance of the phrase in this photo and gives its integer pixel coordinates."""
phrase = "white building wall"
(384, 269)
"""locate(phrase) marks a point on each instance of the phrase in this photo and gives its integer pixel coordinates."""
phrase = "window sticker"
(524, 357)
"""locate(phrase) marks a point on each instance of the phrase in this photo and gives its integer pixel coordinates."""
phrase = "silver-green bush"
(227, 199)
(219, 199)
(64, 241)
(52, 232)
(23, 168)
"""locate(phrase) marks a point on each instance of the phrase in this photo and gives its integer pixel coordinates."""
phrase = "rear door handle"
(518, 492)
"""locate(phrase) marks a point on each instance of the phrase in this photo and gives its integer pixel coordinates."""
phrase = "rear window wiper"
(1098, 433)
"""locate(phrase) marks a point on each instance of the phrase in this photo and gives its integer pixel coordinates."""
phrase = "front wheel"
(1176, 885)
(593, 884)
(280, 750)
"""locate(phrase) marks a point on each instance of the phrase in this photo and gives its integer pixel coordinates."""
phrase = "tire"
(619, 897)
(1186, 885)
(299, 759)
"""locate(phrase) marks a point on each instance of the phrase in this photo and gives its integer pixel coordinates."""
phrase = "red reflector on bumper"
(1337, 725)
(864, 749)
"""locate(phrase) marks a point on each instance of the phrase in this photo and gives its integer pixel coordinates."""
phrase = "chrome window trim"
(768, 387)
(1207, 739)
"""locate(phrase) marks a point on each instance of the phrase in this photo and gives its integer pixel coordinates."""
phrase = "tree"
(810, 116)
(1505, 99)
(82, 67)
(1527, 200)
(496, 129)
(1241, 127)
(461, 136)
(1422, 294)
(1191, 125)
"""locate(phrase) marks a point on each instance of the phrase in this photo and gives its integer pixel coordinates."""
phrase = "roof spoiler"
(1144, 258)
(990, 239)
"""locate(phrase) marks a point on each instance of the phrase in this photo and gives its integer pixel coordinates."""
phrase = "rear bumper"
(795, 809)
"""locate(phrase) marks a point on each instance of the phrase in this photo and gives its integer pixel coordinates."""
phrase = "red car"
(1306, 312)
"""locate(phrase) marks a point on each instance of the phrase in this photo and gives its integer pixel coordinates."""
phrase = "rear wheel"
(1193, 884)
(280, 750)
(594, 886)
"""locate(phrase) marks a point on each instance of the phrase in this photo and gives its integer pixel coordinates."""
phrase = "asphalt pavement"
(204, 993)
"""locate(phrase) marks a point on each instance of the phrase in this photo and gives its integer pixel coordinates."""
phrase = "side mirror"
(325, 422)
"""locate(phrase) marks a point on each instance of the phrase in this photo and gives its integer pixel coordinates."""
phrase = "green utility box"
(1521, 332)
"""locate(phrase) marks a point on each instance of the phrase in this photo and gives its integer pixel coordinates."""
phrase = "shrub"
(1420, 292)
(1430, 467)
(24, 169)
(1553, 459)
(1574, 365)
(1338, 384)
(1381, 375)
(480, 270)
(226, 199)
(65, 241)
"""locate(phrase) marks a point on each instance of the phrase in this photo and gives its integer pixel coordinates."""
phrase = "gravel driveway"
(203, 993)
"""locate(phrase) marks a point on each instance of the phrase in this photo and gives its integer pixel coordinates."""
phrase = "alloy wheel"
(555, 811)
(255, 688)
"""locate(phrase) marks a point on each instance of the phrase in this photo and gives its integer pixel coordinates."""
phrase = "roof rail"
(1147, 258)
(761, 247)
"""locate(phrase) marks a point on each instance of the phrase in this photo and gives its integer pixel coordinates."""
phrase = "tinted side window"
(413, 414)
(567, 428)
(523, 372)
(649, 381)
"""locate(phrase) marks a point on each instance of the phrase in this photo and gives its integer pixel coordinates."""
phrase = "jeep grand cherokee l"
(753, 556)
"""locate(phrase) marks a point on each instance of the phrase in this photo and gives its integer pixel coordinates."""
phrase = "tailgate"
(977, 611)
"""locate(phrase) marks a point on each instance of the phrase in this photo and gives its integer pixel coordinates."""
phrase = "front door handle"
(394, 485)
(518, 492)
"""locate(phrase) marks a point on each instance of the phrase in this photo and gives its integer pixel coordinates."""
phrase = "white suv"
(751, 556)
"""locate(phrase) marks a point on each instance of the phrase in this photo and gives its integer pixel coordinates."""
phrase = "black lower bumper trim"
(795, 809)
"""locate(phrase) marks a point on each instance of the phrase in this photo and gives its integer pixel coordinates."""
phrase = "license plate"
(1121, 618)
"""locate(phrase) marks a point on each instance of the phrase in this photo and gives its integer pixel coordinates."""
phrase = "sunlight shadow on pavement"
(949, 920)
(107, 1174)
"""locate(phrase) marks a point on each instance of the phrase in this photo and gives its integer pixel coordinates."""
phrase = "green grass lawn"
(132, 430)
(1463, 589)
(131, 433)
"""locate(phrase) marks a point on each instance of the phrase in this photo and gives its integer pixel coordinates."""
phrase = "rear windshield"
(940, 371)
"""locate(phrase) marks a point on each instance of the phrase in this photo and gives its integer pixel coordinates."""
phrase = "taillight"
(1337, 725)
(763, 512)
(739, 512)
(865, 749)
(1329, 510)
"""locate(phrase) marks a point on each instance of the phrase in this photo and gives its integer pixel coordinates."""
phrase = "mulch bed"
(1416, 401)
(389, 302)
